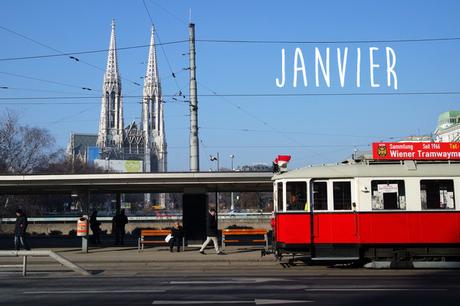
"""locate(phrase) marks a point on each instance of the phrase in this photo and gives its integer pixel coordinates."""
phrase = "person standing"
(211, 232)
(20, 229)
(119, 222)
(95, 226)
(177, 233)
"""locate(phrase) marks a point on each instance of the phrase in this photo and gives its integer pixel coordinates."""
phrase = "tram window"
(342, 195)
(388, 194)
(437, 194)
(280, 197)
(296, 195)
(320, 195)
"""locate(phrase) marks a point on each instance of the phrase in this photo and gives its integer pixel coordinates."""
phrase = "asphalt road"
(425, 288)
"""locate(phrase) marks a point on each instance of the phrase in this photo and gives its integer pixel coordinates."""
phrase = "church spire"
(152, 114)
(111, 120)
(111, 73)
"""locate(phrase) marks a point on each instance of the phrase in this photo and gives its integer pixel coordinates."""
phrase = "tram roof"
(405, 169)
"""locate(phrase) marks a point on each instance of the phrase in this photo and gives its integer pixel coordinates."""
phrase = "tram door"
(333, 221)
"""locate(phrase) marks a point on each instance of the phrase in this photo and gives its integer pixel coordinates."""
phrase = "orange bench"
(145, 233)
(244, 232)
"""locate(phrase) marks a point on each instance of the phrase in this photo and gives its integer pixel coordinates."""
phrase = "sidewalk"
(122, 261)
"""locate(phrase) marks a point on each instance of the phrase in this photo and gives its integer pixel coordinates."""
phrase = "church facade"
(144, 141)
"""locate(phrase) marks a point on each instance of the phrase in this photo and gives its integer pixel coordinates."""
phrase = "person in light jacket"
(211, 232)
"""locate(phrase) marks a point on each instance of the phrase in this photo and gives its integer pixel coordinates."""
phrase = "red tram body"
(368, 210)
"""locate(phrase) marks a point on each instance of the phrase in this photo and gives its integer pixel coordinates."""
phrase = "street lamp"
(232, 157)
(108, 164)
(232, 204)
(215, 158)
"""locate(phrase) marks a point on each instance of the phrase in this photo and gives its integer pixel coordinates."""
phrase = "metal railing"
(41, 253)
(173, 217)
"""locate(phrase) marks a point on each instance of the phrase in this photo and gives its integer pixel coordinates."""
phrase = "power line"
(409, 40)
(169, 12)
(46, 81)
(88, 52)
(299, 132)
(248, 95)
(235, 41)
(40, 90)
(248, 113)
(275, 146)
(162, 48)
(60, 52)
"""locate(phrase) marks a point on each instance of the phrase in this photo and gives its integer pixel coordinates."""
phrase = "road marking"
(232, 281)
(375, 289)
(166, 302)
(267, 301)
(94, 291)
(256, 301)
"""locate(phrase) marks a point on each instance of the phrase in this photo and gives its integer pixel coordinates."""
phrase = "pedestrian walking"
(95, 226)
(177, 235)
(118, 227)
(20, 231)
(211, 232)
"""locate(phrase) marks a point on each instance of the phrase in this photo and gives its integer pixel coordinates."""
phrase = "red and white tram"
(368, 210)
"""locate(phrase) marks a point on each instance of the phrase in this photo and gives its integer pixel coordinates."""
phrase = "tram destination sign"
(416, 150)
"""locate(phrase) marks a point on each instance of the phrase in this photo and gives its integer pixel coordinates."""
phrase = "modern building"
(448, 129)
(82, 146)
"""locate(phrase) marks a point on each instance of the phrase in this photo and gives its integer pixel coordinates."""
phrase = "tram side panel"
(390, 229)
(292, 230)
(425, 228)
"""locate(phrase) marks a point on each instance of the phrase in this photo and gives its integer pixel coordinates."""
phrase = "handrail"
(40, 253)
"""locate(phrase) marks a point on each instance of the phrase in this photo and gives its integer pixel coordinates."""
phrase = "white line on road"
(256, 301)
(94, 291)
(166, 302)
(231, 281)
(375, 289)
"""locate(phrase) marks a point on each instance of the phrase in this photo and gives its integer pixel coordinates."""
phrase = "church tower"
(111, 121)
(153, 115)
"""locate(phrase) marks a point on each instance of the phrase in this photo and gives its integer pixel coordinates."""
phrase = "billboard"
(121, 166)
(416, 150)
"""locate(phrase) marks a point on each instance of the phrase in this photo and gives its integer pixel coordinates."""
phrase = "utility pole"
(194, 144)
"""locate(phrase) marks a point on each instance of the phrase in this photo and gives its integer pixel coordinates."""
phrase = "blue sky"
(313, 129)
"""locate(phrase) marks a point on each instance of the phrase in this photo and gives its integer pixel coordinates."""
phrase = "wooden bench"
(234, 233)
(155, 233)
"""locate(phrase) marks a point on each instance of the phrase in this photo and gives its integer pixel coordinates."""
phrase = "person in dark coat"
(177, 233)
(95, 226)
(20, 231)
(119, 222)
(211, 232)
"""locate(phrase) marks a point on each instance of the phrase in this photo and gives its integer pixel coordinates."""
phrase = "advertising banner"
(121, 166)
(416, 150)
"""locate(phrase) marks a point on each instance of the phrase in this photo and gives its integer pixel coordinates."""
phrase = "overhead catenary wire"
(255, 95)
(60, 52)
(363, 41)
(46, 81)
(162, 49)
(245, 130)
(227, 41)
(88, 52)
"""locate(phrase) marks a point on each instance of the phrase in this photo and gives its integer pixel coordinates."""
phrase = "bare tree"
(23, 148)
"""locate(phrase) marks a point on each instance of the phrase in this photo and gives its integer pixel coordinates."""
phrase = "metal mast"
(194, 144)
